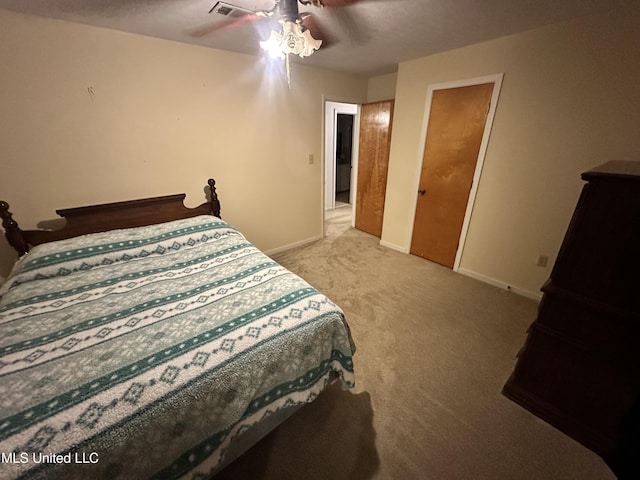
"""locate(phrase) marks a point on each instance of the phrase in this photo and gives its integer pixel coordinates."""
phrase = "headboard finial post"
(12, 230)
(215, 203)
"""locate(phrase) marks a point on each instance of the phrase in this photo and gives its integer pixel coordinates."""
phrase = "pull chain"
(288, 70)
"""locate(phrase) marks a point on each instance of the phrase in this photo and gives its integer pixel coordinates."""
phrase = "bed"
(145, 339)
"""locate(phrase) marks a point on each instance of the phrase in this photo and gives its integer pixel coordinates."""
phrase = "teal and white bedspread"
(141, 353)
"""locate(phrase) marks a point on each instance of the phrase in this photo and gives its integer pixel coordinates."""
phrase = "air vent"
(229, 10)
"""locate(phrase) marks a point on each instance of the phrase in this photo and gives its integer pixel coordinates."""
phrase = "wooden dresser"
(580, 366)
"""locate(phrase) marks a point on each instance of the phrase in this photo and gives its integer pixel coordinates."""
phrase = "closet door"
(373, 162)
(457, 122)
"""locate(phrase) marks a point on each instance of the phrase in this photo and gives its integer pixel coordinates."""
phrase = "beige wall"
(570, 100)
(91, 115)
(382, 87)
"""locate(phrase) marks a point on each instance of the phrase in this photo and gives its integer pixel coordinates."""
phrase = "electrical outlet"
(542, 260)
(311, 159)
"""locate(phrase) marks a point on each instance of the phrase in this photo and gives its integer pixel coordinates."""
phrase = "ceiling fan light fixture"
(295, 39)
(272, 45)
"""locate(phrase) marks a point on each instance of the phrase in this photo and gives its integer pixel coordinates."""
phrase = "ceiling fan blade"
(346, 3)
(209, 28)
(337, 3)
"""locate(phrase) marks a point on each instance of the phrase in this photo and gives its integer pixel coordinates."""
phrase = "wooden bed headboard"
(108, 216)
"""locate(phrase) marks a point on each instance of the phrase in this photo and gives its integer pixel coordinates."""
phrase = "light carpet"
(434, 350)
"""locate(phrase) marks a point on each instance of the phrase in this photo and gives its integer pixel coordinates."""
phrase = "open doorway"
(344, 150)
(340, 155)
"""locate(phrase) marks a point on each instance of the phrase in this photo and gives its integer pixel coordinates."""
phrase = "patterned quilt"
(141, 353)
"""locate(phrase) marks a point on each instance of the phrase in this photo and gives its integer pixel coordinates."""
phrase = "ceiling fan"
(298, 33)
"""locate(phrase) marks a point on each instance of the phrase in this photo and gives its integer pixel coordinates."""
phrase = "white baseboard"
(393, 246)
(294, 245)
(469, 273)
(500, 284)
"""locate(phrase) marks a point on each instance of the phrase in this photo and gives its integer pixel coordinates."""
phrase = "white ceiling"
(370, 37)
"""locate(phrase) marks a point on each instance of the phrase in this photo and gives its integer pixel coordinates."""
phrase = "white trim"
(290, 246)
(329, 147)
(355, 155)
(497, 81)
(500, 284)
(331, 111)
(323, 175)
(393, 246)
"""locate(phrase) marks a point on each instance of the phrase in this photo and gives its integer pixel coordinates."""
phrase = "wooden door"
(454, 134)
(373, 161)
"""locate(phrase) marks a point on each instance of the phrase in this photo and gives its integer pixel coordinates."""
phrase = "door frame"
(331, 111)
(496, 79)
